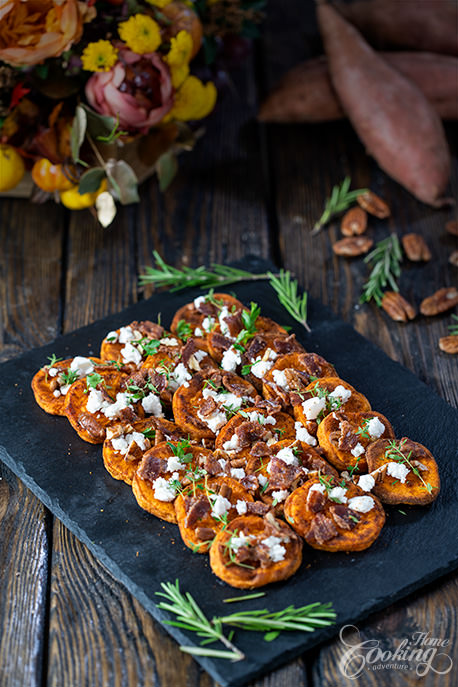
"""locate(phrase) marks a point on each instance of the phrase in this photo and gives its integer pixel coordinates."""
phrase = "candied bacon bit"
(257, 507)
(226, 491)
(152, 330)
(256, 345)
(348, 439)
(286, 344)
(198, 509)
(270, 406)
(127, 415)
(249, 482)
(250, 432)
(207, 308)
(236, 385)
(151, 468)
(211, 465)
(282, 475)
(205, 533)
(315, 501)
(220, 342)
(188, 350)
(260, 449)
(208, 407)
(322, 529)
(234, 322)
(341, 516)
(90, 424)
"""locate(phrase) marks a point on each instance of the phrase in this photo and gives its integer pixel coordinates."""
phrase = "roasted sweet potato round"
(332, 517)
(345, 437)
(292, 373)
(252, 552)
(206, 506)
(163, 473)
(262, 351)
(263, 422)
(51, 383)
(405, 472)
(132, 343)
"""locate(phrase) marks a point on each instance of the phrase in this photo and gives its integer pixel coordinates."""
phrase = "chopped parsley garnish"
(184, 330)
(363, 430)
(149, 433)
(69, 377)
(149, 346)
(93, 380)
(180, 450)
(137, 393)
(53, 359)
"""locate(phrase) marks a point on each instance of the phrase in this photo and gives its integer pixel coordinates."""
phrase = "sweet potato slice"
(51, 382)
(206, 506)
(90, 410)
(126, 443)
(204, 404)
(263, 422)
(252, 552)
(345, 437)
(261, 353)
(132, 343)
(332, 517)
(325, 396)
(404, 472)
(292, 373)
(162, 473)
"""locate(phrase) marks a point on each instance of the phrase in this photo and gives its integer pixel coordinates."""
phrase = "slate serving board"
(67, 474)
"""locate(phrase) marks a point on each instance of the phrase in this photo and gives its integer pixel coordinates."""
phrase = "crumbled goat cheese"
(237, 473)
(241, 507)
(338, 494)
(287, 456)
(112, 410)
(280, 495)
(231, 358)
(83, 366)
(318, 487)
(276, 551)
(280, 379)
(241, 540)
(198, 332)
(56, 393)
(254, 416)
(233, 444)
(223, 463)
(53, 371)
(341, 393)
(174, 463)
(127, 335)
(64, 389)
(179, 376)
(152, 405)
(164, 490)
(262, 365)
(95, 401)
(366, 482)
(220, 506)
(303, 435)
(375, 428)
(361, 504)
(398, 470)
(227, 399)
(358, 450)
(208, 323)
(198, 301)
(123, 442)
(168, 341)
(223, 313)
(112, 337)
(313, 406)
(262, 479)
(215, 421)
(130, 354)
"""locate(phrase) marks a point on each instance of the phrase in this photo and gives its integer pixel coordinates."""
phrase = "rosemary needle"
(256, 595)
(453, 328)
(286, 289)
(385, 261)
(340, 199)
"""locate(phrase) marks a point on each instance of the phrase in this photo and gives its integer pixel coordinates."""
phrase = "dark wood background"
(64, 621)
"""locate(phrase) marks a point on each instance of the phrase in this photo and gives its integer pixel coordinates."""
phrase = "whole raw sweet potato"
(429, 25)
(390, 114)
(306, 94)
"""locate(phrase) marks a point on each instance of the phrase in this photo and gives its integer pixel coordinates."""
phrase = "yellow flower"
(159, 3)
(194, 100)
(179, 74)
(141, 33)
(99, 57)
(179, 56)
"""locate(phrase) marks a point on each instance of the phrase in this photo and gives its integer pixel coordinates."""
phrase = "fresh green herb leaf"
(53, 360)
(394, 452)
(184, 330)
(453, 328)
(385, 261)
(340, 199)
(286, 289)
(69, 377)
(255, 595)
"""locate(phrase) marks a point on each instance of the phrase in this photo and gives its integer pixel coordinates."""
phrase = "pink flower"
(138, 89)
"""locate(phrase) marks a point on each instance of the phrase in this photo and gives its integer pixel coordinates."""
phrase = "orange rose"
(33, 30)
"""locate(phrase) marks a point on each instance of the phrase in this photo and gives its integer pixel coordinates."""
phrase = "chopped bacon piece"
(322, 529)
(152, 468)
(315, 501)
(257, 508)
(341, 516)
(196, 509)
(90, 424)
(205, 533)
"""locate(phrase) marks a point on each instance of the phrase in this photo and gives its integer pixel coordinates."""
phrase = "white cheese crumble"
(164, 490)
(208, 323)
(262, 479)
(254, 416)
(215, 421)
(223, 463)
(53, 371)
(303, 435)
(241, 507)
(276, 551)
(358, 450)
(64, 389)
(179, 376)
(398, 470)
(313, 407)
(168, 341)
(366, 482)
(127, 335)
(233, 444)
(318, 487)
(341, 393)
(220, 506)
(198, 332)
(83, 366)
(56, 393)
(198, 301)
(237, 473)
(123, 442)
(279, 378)
(240, 540)
(231, 358)
(223, 313)
(262, 365)
(280, 495)
(95, 401)
(130, 354)
(174, 463)
(112, 410)
(338, 494)
(152, 405)
(375, 428)
(287, 456)
(112, 337)
(361, 504)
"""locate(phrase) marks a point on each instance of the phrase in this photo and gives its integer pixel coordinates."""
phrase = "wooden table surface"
(64, 621)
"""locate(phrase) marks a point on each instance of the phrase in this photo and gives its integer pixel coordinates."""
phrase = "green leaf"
(91, 180)
(270, 636)
(124, 181)
(167, 167)
(78, 132)
(97, 124)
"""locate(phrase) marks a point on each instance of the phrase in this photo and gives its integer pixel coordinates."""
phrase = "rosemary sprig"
(190, 617)
(385, 261)
(176, 279)
(286, 289)
(453, 328)
(340, 199)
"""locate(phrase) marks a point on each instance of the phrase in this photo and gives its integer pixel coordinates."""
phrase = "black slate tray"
(67, 474)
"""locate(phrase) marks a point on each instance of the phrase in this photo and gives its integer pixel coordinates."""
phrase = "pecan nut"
(449, 344)
(354, 222)
(440, 301)
(373, 204)
(397, 307)
(415, 248)
(353, 246)
(452, 227)
(453, 259)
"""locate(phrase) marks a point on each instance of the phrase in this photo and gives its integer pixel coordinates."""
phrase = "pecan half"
(416, 248)
(354, 222)
(440, 301)
(453, 259)
(353, 246)
(397, 307)
(449, 344)
(452, 227)
(373, 204)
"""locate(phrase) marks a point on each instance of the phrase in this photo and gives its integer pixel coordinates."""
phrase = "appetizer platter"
(218, 448)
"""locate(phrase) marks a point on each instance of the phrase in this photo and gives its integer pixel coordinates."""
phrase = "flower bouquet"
(96, 96)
